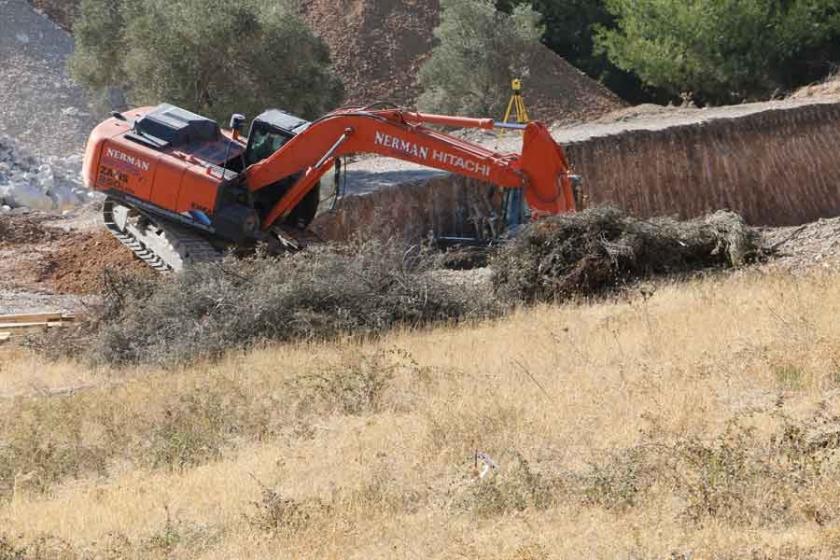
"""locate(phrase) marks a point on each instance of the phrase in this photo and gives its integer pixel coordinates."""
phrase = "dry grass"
(697, 422)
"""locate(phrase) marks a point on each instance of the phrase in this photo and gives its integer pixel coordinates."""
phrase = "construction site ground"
(57, 262)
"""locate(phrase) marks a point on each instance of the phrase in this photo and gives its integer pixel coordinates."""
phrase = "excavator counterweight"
(180, 189)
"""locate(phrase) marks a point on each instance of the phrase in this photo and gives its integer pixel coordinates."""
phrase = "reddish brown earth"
(37, 254)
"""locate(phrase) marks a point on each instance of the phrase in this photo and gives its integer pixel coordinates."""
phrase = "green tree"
(479, 51)
(568, 26)
(97, 31)
(723, 51)
(214, 57)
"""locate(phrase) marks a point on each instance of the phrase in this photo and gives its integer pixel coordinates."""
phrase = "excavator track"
(163, 246)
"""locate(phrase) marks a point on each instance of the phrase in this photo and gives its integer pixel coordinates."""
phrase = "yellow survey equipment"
(516, 105)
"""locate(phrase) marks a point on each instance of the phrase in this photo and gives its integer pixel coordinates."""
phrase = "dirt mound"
(379, 45)
(78, 261)
(560, 92)
(599, 249)
(806, 247)
(42, 252)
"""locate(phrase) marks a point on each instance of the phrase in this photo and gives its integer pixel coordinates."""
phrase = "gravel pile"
(40, 183)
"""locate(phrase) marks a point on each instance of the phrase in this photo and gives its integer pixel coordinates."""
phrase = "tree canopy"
(723, 51)
(479, 51)
(210, 56)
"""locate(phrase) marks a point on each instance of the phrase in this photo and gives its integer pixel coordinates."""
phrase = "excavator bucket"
(550, 189)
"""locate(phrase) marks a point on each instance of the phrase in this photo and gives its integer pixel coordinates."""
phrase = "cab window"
(263, 143)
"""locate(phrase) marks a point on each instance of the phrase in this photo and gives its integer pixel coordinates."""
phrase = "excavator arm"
(541, 169)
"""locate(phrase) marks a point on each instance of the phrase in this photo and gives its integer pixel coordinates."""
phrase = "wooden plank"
(14, 325)
(19, 326)
(30, 327)
(30, 318)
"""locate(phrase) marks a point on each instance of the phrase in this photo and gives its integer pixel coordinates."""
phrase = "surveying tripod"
(516, 106)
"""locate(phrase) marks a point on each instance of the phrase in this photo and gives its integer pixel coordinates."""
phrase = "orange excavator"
(180, 189)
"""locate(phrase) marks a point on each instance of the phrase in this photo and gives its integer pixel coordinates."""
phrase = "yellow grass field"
(701, 421)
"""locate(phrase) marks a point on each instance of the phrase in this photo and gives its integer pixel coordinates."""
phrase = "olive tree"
(210, 56)
(479, 51)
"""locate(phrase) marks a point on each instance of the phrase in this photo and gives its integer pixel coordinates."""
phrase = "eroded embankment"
(775, 167)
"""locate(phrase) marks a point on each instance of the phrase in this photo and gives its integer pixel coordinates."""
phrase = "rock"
(51, 183)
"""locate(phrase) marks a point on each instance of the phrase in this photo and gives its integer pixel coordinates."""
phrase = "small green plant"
(10, 551)
(355, 388)
(175, 535)
(515, 489)
(44, 444)
(789, 377)
(618, 482)
(167, 539)
(193, 431)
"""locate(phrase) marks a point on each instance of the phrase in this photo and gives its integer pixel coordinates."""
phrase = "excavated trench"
(776, 164)
(776, 167)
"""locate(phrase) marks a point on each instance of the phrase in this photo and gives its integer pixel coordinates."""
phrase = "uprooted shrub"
(320, 293)
(601, 248)
(368, 288)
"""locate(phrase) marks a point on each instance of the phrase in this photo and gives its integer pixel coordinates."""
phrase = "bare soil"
(806, 247)
(41, 253)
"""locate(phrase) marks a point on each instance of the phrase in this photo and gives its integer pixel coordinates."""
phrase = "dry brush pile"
(359, 290)
(366, 289)
(603, 248)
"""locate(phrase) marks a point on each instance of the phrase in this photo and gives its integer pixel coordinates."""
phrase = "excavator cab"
(269, 132)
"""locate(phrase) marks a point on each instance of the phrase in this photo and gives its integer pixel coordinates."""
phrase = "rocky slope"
(43, 183)
(40, 106)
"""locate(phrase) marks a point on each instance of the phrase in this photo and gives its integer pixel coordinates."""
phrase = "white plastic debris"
(488, 465)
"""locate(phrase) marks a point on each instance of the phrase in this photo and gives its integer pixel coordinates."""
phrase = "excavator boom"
(541, 170)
